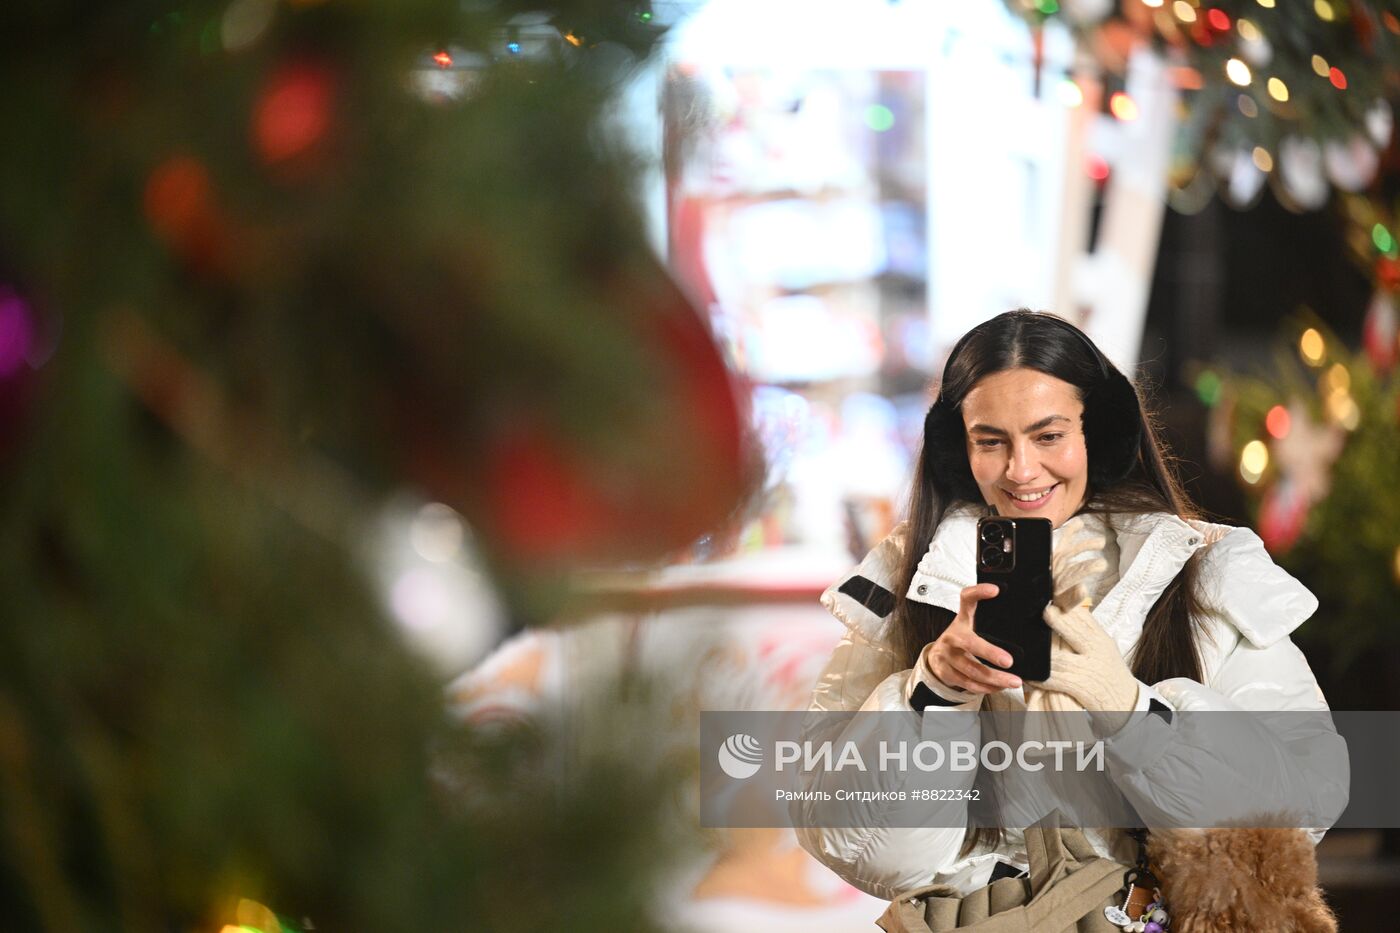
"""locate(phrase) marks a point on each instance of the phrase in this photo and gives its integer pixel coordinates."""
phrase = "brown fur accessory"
(1233, 879)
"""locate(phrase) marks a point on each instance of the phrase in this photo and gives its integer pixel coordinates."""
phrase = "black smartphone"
(1014, 553)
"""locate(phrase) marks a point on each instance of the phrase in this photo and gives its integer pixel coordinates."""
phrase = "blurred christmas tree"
(1317, 443)
(262, 263)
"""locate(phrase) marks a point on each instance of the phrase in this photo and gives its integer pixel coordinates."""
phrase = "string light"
(1071, 95)
(1254, 460)
(1320, 66)
(1278, 90)
(1277, 422)
(1311, 347)
(1337, 379)
(1238, 72)
(1339, 80)
(572, 39)
(1248, 30)
(1123, 107)
(1324, 11)
(443, 59)
(1219, 19)
(1262, 160)
(1184, 11)
(1267, 4)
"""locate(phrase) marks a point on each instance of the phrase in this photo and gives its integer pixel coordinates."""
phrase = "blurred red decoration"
(293, 112)
(1277, 422)
(177, 195)
(1282, 516)
(179, 206)
(1388, 272)
(657, 477)
(1339, 80)
(1379, 332)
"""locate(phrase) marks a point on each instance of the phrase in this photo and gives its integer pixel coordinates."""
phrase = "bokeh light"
(1278, 422)
(1123, 107)
(1070, 93)
(1238, 72)
(1209, 387)
(1339, 80)
(1278, 90)
(244, 23)
(437, 533)
(16, 332)
(1248, 31)
(1262, 160)
(879, 117)
(1184, 11)
(1312, 347)
(1254, 460)
(1382, 238)
(1337, 379)
(1342, 408)
(1218, 19)
(1324, 10)
(1321, 67)
(293, 113)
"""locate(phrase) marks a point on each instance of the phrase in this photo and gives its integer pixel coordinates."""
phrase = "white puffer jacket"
(1248, 663)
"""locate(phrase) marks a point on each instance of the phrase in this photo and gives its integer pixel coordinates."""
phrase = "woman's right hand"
(953, 656)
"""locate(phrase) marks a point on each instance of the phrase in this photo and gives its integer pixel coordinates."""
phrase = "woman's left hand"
(1085, 665)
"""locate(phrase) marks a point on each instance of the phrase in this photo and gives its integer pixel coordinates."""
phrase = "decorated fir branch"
(1315, 441)
(257, 273)
(1298, 92)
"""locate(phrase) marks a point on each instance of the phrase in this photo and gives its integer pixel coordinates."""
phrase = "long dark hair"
(1168, 646)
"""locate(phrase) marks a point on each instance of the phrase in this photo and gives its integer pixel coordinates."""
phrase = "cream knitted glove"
(1086, 670)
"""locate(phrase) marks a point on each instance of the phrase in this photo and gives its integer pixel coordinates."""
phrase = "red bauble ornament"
(663, 467)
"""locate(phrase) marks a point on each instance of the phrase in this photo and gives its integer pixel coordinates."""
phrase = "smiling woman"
(1031, 419)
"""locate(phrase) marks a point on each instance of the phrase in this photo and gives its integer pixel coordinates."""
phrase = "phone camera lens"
(992, 533)
(992, 556)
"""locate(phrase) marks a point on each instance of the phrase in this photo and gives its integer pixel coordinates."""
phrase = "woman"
(1166, 612)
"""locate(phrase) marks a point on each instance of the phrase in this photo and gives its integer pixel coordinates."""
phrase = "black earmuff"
(1112, 428)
